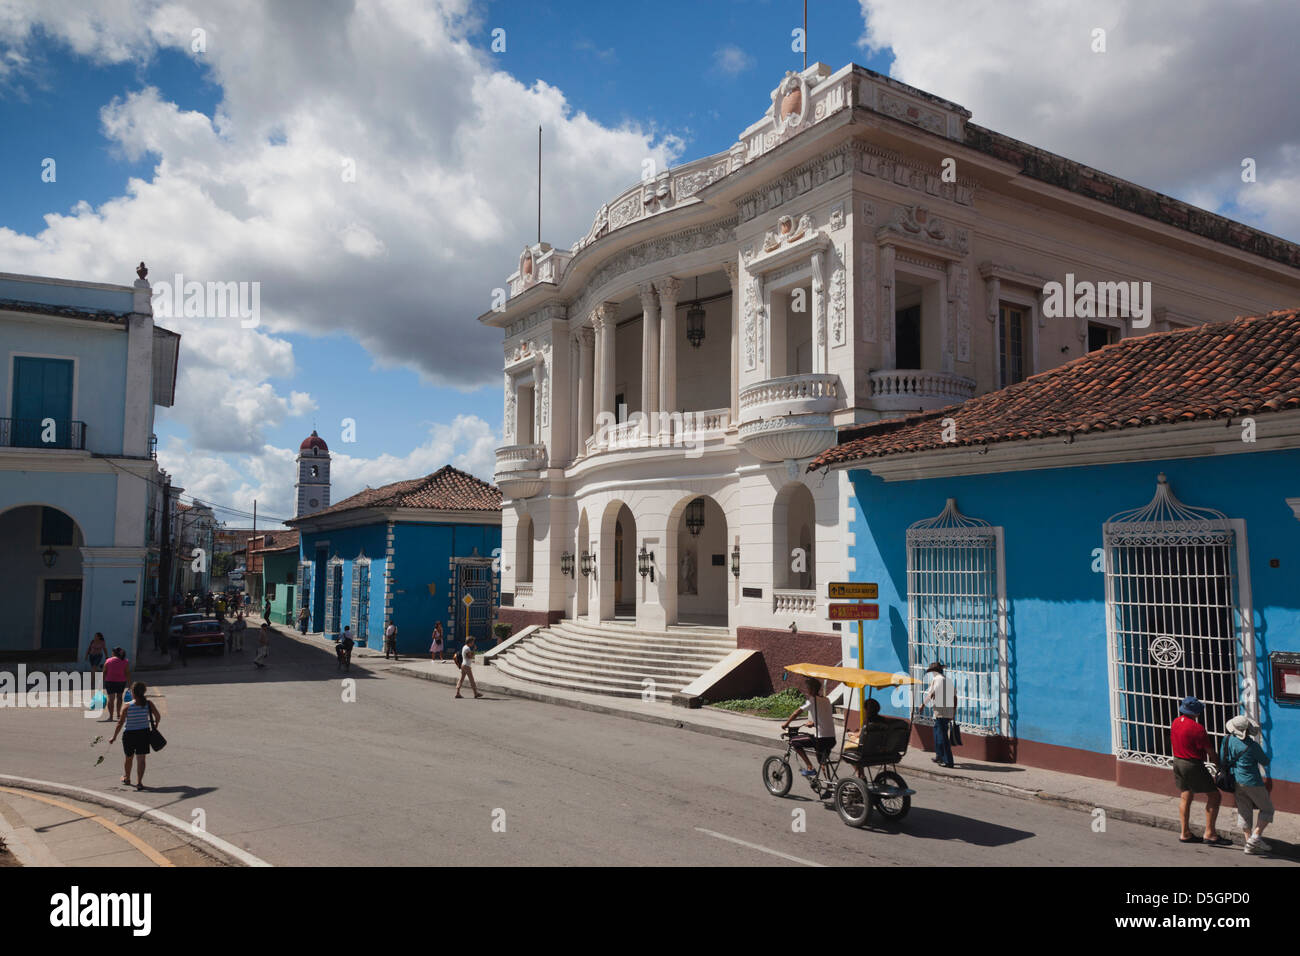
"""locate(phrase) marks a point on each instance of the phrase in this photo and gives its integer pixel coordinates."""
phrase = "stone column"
(888, 333)
(649, 357)
(605, 316)
(668, 287)
(733, 276)
(586, 340)
(819, 318)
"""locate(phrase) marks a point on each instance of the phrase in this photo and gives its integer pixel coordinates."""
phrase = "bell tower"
(313, 484)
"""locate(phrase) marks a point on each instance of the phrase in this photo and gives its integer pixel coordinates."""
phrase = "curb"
(973, 783)
(227, 852)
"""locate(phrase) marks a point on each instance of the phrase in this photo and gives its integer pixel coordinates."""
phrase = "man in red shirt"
(1191, 748)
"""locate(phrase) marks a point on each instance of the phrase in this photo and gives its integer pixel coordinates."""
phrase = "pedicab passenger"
(873, 724)
(822, 720)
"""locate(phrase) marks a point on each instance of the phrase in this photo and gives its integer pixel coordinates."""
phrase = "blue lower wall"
(1052, 521)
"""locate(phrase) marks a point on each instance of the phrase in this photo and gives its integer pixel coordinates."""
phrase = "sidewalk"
(1013, 780)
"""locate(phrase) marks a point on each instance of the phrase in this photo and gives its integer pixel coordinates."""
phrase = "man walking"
(1191, 749)
(237, 633)
(263, 646)
(390, 639)
(303, 616)
(941, 697)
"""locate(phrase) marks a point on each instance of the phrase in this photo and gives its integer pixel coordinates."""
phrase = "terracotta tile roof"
(447, 489)
(1249, 366)
(277, 539)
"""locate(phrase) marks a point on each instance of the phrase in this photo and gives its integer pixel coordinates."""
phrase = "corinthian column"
(668, 287)
(649, 356)
(585, 369)
(604, 318)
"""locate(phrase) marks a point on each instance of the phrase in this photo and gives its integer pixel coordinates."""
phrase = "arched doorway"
(794, 539)
(41, 571)
(697, 560)
(617, 578)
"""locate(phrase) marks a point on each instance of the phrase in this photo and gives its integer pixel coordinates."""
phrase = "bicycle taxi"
(878, 749)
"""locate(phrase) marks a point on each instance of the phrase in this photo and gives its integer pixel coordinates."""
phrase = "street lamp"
(49, 556)
(645, 563)
(566, 563)
(586, 563)
(695, 319)
(735, 561)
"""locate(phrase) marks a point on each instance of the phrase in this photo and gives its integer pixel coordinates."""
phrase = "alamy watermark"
(1098, 300)
(208, 300)
(685, 430)
(40, 689)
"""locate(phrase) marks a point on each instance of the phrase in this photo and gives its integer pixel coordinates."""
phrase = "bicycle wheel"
(894, 804)
(851, 802)
(776, 776)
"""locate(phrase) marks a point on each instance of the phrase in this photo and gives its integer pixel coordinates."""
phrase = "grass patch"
(777, 706)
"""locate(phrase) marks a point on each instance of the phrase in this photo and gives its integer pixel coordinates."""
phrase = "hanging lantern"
(695, 516)
(695, 319)
(566, 563)
(586, 563)
(645, 563)
(735, 561)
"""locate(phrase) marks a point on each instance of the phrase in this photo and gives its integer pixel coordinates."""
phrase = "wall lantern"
(49, 556)
(566, 563)
(645, 562)
(695, 319)
(695, 516)
(735, 561)
(586, 563)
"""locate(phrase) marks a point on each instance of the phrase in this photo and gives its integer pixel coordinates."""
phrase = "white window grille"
(956, 608)
(333, 595)
(1176, 623)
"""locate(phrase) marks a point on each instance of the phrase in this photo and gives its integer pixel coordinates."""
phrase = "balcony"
(794, 602)
(910, 390)
(663, 430)
(790, 417)
(519, 470)
(42, 433)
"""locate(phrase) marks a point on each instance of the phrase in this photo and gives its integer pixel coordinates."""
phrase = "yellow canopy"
(852, 676)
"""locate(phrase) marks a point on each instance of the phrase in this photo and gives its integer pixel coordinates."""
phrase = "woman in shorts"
(138, 717)
(96, 653)
(116, 674)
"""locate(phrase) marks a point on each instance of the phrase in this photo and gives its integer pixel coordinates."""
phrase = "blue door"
(61, 617)
(42, 389)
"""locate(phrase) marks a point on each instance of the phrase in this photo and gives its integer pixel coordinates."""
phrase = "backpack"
(457, 658)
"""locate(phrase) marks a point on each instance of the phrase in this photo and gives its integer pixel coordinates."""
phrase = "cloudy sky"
(218, 140)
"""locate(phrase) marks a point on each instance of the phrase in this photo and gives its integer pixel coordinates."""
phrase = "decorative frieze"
(810, 175)
(837, 299)
(547, 313)
(916, 224)
(959, 307)
(867, 292)
(753, 321)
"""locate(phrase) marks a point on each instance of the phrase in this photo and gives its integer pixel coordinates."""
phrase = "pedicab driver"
(822, 720)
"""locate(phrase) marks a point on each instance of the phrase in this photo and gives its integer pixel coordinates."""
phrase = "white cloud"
(1184, 91)
(732, 60)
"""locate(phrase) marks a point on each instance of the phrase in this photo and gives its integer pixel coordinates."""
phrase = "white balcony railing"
(794, 602)
(660, 431)
(520, 458)
(801, 394)
(523, 589)
(908, 389)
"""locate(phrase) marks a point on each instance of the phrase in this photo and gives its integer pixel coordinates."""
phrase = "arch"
(617, 562)
(524, 546)
(698, 588)
(794, 539)
(41, 577)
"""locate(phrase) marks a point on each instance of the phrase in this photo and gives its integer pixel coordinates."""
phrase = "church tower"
(313, 476)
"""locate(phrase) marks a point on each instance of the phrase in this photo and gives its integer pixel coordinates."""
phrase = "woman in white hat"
(1242, 756)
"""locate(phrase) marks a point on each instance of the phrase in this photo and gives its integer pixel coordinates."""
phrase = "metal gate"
(955, 609)
(472, 576)
(1172, 612)
(333, 596)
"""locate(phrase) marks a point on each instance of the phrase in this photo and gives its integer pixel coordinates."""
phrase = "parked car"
(179, 622)
(200, 634)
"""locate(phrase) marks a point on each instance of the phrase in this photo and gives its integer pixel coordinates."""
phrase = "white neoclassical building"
(862, 251)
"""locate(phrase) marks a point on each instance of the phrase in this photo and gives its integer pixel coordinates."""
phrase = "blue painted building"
(1084, 549)
(82, 368)
(410, 552)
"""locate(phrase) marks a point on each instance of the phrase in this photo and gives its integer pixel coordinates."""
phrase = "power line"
(215, 507)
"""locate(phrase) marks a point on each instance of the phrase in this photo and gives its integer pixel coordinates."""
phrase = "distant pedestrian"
(1241, 756)
(344, 650)
(97, 653)
(1191, 749)
(117, 671)
(435, 649)
(390, 640)
(266, 611)
(941, 697)
(237, 633)
(464, 660)
(139, 717)
(160, 632)
(263, 646)
(303, 616)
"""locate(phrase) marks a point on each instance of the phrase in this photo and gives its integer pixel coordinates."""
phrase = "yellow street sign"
(853, 590)
(467, 600)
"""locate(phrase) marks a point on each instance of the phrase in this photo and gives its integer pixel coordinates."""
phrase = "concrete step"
(649, 653)
(584, 682)
(627, 667)
(621, 628)
(638, 638)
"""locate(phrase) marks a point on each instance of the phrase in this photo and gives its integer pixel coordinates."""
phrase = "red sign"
(854, 612)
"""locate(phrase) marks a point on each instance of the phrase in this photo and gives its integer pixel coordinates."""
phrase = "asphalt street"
(301, 768)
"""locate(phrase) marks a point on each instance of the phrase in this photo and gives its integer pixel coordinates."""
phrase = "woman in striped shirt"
(138, 717)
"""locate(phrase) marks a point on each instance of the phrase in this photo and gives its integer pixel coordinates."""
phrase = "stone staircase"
(614, 658)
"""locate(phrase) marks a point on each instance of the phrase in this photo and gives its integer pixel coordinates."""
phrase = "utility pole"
(165, 556)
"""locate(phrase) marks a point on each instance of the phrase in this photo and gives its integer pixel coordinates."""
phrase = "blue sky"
(217, 164)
